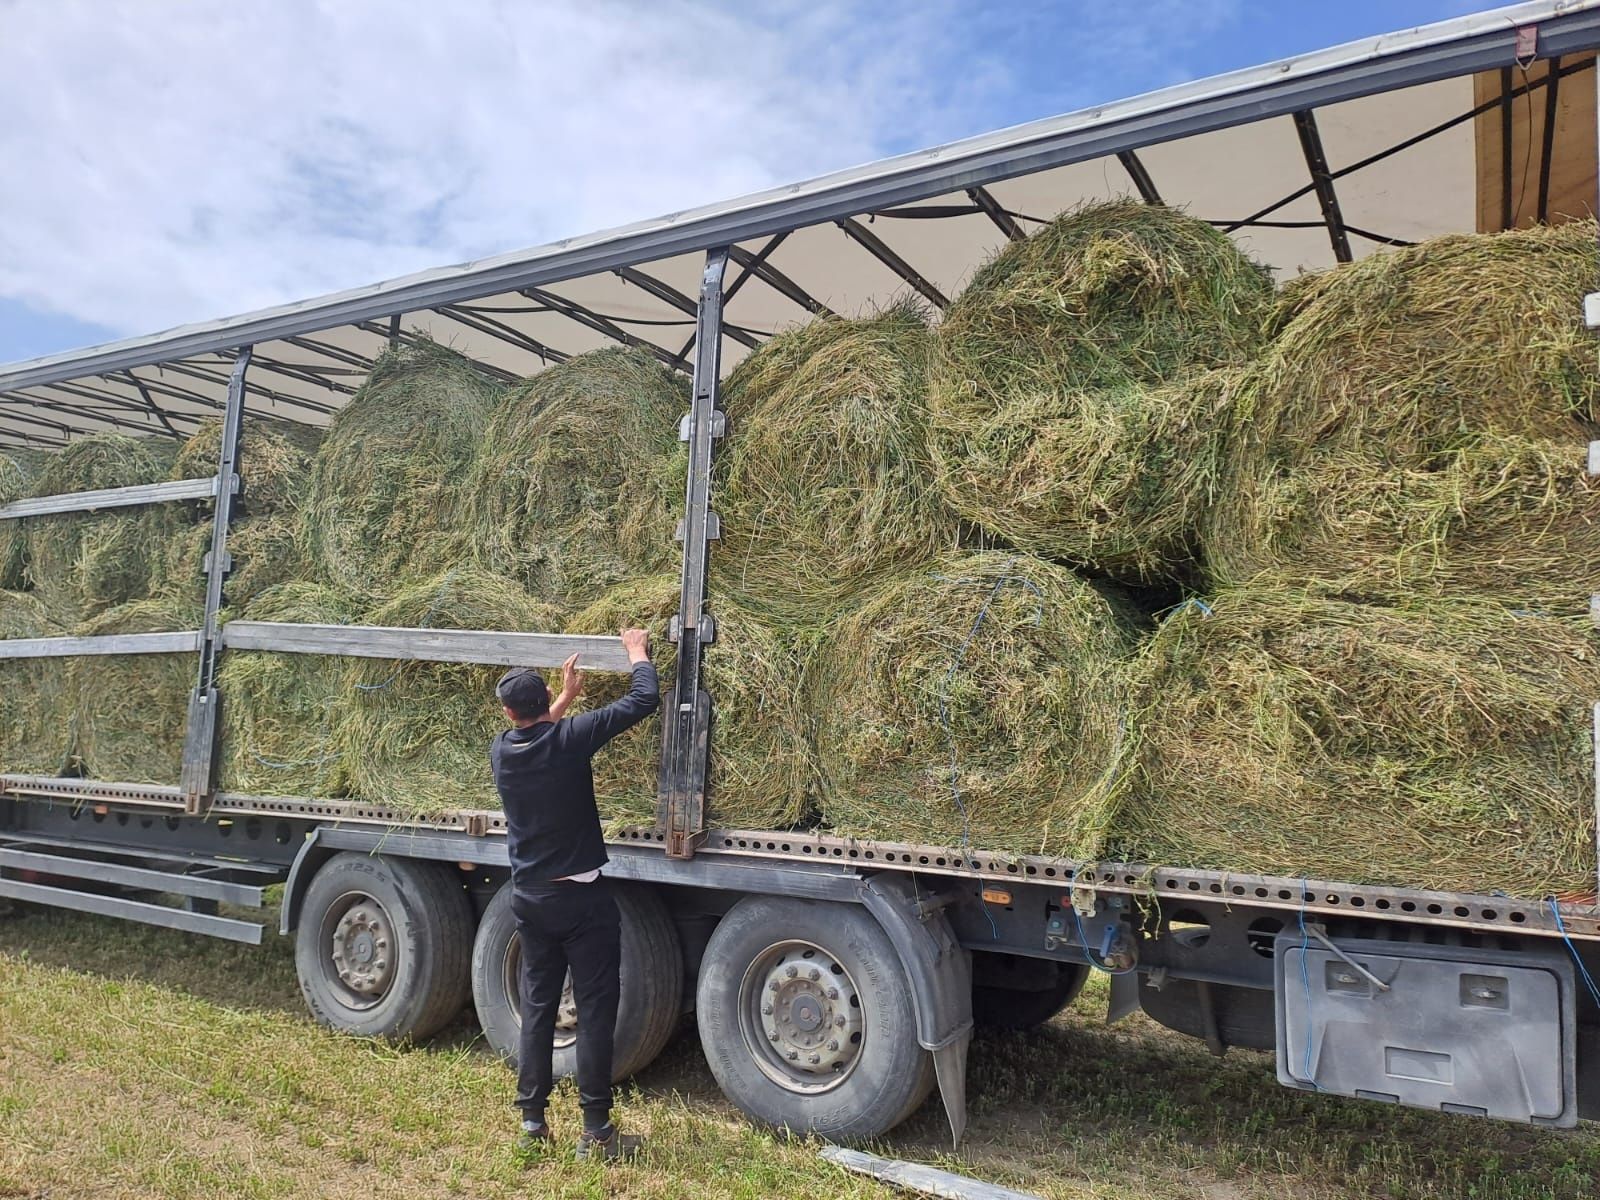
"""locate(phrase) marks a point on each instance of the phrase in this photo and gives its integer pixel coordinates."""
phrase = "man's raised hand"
(571, 678)
(637, 643)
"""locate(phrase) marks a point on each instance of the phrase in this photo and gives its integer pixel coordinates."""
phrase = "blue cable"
(1083, 940)
(1583, 971)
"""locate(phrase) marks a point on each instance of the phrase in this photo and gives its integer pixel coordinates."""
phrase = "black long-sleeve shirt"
(547, 787)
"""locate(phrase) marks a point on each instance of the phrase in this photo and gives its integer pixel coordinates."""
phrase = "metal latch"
(713, 528)
(719, 424)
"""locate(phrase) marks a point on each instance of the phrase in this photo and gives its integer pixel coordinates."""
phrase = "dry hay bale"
(763, 773)
(1442, 747)
(279, 711)
(1418, 425)
(36, 727)
(87, 562)
(275, 458)
(1049, 428)
(384, 495)
(415, 736)
(132, 709)
(19, 467)
(976, 703)
(827, 482)
(264, 550)
(579, 481)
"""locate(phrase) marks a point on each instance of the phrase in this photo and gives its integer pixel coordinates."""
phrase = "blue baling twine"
(1305, 980)
(944, 698)
(1583, 971)
(1083, 939)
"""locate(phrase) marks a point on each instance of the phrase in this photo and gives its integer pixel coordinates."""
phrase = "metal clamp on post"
(198, 774)
(686, 714)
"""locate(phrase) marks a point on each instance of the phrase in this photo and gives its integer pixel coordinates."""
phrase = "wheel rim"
(363, 954)
(801, 1018)
(511, 979)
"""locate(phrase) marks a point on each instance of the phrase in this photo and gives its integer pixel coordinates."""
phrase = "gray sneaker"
(613, 1147)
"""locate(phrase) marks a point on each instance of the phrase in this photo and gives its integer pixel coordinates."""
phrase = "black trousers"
(562, 926)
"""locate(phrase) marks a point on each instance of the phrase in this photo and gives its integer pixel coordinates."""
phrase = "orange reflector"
(101, 810)
(994, 895)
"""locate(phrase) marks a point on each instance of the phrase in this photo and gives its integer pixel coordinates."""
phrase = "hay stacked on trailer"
(130, 710)
(580, 476)
(1068, 413)
(82, 563)
(384, 498)
(414, 736)
(36, 726)
(280, 712)
(974, 703)
(19, 467)
(763, 767)
(274, 461)
(1418, 426)
(1443, 746)
(827, 483)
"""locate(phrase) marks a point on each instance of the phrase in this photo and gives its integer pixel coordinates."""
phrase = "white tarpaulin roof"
(1484, 122)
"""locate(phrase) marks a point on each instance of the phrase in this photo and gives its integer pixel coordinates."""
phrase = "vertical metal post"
(198, 774)
(686, 716)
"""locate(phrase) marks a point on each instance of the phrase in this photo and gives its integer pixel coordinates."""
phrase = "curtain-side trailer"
(836, 982)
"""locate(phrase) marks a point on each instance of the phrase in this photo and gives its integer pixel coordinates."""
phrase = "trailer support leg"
(198, 773)
(686, 715)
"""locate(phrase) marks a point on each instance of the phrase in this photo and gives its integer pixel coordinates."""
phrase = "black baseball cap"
(524, 691)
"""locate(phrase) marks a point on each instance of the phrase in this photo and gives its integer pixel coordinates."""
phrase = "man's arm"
(571, 688)
(592, 730)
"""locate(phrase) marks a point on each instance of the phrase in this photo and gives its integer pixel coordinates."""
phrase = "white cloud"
(174, 161)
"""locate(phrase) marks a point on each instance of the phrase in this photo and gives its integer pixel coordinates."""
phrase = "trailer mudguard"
(940, 972)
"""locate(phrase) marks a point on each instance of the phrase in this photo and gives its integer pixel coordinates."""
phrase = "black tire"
(423, 924)
(1029, 998)
(850, 1095)
(650, 1004)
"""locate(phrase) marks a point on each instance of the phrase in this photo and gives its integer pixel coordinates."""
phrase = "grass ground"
(142, 1063)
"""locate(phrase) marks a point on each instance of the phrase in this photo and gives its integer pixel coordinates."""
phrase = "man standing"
(566, 915)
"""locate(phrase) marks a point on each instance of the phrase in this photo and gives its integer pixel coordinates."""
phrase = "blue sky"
(201, 158)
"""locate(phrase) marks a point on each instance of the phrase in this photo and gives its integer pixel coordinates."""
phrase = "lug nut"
(839, 1021)
(794, 1056)
(815, 974)
(791, 972)
(772, 1035)
(815, 1059)
(833, 1045)
(833, 993)
(773, 986)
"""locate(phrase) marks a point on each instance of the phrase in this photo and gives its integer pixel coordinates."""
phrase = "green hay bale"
(36, 728)
(19, 468)
(384, 493)
(1417, 426)
(265, 553)
(132, 709)
(580, 477)
(1002, 668)
(1445, 747)
(827, 484)
(88, 562)
(1047, 427)
(415, 736)
(280, 711)
(275, 458)
(763, 772)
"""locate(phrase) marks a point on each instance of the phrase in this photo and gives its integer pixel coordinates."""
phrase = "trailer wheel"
(1023, 994)
(807, 1019)
(648, 1009)
(382, 946)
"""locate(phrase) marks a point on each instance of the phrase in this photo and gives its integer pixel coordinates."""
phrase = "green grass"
(142, 1063)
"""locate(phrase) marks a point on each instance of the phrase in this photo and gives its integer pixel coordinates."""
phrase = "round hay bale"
(414, 736)
(384, 493)
(579, 480)
(132, 709)
(274, 459)
(19, 468)
(36, 725)
(264, 549)
(1418, 425)
(763, 772)
(280, 711)
(1444, 747)
(88, 562)
(1046, 430)
(976, 703)
(827, 482)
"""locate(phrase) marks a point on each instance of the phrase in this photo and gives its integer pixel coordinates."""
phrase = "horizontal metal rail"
(133, 910)
(120, 497)
(174, 882)
(1328, 899)
(429, 645)
(182, 642)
